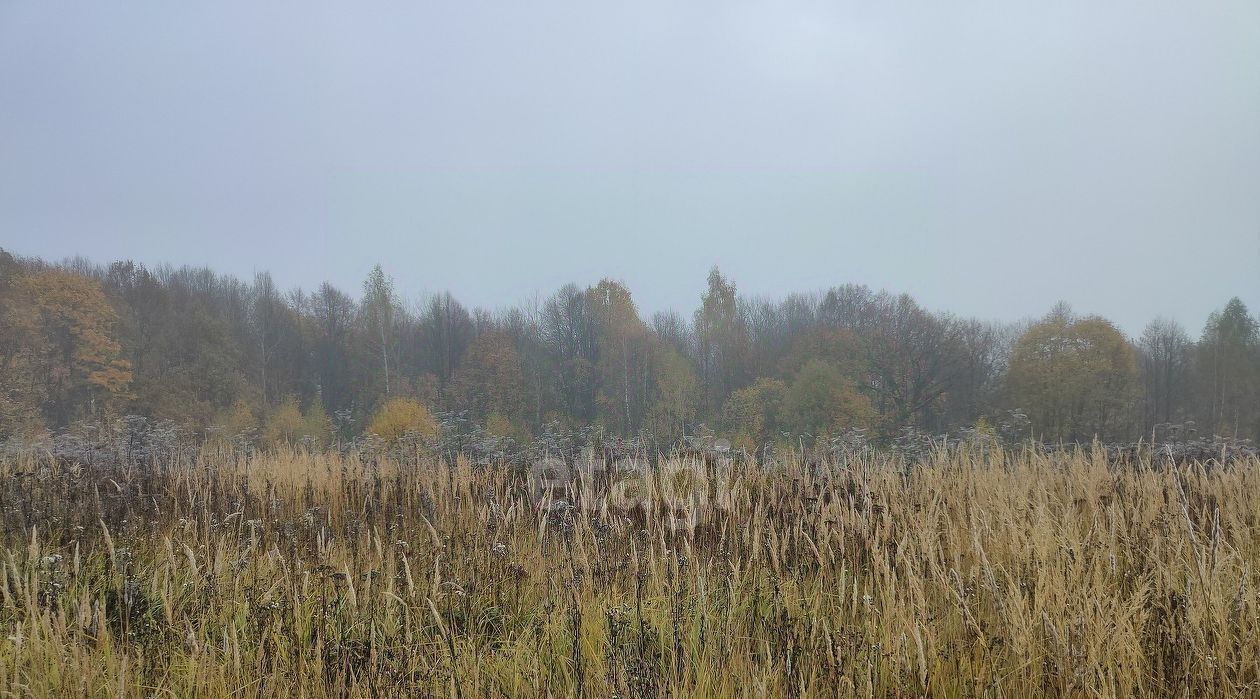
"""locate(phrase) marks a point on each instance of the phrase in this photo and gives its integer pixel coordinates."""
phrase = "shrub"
(284, 424)
(239, 419)
(288, 424)
(403, 416)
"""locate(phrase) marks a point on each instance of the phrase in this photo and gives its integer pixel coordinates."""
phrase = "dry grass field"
(311, 575)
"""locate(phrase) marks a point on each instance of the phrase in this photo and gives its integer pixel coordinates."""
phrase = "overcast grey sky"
(988, 158)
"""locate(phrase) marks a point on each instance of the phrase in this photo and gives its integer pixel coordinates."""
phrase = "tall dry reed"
(294, 574)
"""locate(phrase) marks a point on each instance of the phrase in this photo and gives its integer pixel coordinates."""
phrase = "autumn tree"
(1074, 377)
(981, 353)
(59, 348)
(1229, 377)
(672, 329)
(288, 424)
(839, 347)
(490, 382)
(403, 417)
(852, 307)
(444, 333)
(914, 359)
(209, 350)
(775, 329)
(624, 347)
(523, 328)
(187, 365)
(379, 308)
(675, 393)
(569, 332)
(822, 400)
(21, 398)
(721, 339)
(276, 330)
(754, 415)
(1165, 360)
(332, 334)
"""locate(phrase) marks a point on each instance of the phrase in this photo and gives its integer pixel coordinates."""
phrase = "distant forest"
(213, 353)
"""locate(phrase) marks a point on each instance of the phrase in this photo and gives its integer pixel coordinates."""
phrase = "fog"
(989, 159)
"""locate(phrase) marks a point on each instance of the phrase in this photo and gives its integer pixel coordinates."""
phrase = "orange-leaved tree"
(59, 332)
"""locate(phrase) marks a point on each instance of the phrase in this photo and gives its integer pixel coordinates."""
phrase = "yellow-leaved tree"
(753, 415)
(1074, 377)
(402, 417)
(289, 424)
(59, 350)
(822, 400)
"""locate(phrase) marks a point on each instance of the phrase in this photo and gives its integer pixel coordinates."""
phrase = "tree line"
(80, 341)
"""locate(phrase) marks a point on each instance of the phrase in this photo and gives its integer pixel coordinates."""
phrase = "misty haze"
(803, 349)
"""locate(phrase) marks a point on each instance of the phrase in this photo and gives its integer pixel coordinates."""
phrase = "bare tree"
(1165, 368)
